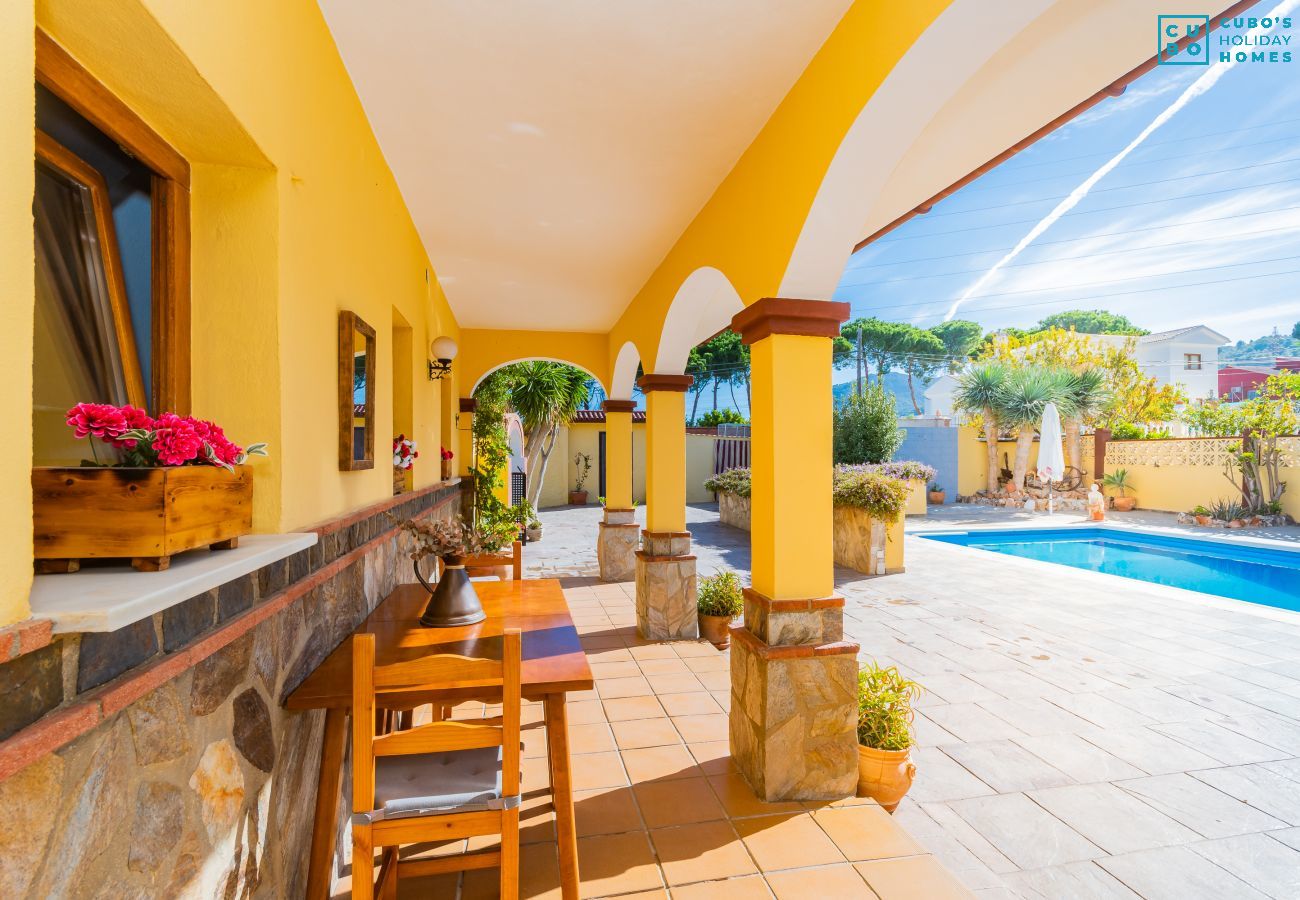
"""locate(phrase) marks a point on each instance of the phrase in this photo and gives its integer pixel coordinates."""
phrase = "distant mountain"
(1262, 349)
(895, 383)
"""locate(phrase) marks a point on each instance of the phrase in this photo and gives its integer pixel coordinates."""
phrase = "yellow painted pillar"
(665, 568)
(792, 638)
(465, 428)
(617, 542)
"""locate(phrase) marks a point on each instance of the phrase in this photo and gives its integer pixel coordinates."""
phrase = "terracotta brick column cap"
(780, 315)
(794, 651)
(792, 605)
(678, 383)
(666, 534)
(468, 404)
(619, 406)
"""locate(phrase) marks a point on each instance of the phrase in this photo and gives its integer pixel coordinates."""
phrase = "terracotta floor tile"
(698, 729)
(695, 703)
(714, 757)
(787, 842)
(701, 852)
(624, 669)
(606, 811)
(614, 652)
(678, 802)
(674, 684)
(673, 666)
(722, 698)
(585, 713)
(660, 763)
(534, 774)
(625, 708)
(911, 878)
(716, 663)
(428, 886)
(623, 687)
(593, 738)
(539, 877)
(739, 801)
(866, 832)
(751, 887)
(715, 681)
(645, 733)
(693, 649)
(652, 651)
(617, 864)
(598, 770)
(841, 882)
(534, 744)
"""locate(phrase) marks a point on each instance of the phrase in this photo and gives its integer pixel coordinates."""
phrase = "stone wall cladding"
(733, 510)
(616, 551)
(859, 540)
(205, 785)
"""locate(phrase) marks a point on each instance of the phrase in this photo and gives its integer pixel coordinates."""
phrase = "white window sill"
(112, 597)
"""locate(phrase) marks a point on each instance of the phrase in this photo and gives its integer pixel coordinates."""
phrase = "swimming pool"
(1257, 574)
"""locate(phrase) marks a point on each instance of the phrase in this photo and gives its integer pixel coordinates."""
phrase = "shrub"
(908, 470)
(732, 481)
(715, 417)
(885, 707)
(720, 595)
(870, 490)
(866, 427)
(1126, 431)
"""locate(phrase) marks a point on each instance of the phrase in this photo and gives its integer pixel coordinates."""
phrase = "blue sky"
(1199, 224)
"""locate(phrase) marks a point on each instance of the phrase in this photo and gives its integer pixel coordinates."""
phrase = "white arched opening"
(964, 37)
(511, 362)
(624, 377)
(702, 307)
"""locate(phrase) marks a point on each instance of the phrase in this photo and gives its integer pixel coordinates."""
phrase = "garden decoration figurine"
(1096, 504)
(453, 600)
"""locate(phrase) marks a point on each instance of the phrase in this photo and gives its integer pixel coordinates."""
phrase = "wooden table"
(553, 664)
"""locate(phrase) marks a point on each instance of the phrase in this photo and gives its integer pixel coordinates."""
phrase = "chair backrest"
(370, 681)
(514, 559)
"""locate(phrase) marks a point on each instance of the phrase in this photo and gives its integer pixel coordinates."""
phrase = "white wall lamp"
(443, 350)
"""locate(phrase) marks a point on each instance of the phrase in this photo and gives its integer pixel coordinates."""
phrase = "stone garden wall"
(733, 510)
(166, 765)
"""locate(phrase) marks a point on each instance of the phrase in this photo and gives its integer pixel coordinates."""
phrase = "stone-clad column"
(617, 544)
(793, 676)
(665, 568)
(465, 432)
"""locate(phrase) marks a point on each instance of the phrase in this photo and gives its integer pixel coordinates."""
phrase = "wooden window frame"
(63, 76)
(349, 324)
(1192, 362)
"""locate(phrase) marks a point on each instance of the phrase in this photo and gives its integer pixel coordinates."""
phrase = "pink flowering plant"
(167, 440)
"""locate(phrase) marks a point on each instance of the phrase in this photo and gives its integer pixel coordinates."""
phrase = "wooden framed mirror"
(356, 393)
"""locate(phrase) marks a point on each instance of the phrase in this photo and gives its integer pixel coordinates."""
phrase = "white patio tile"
(1082, 761)
(1219, 742)
(1263, 789)
(1257, 859)
(1150, 751)
(1111, 818)
(1006, 766)
(1024, 832)
(1076, 881)
(971, 722)
(1199, 806)
(1176, 873)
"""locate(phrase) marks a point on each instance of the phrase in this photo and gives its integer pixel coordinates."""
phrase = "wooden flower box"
(144, 515)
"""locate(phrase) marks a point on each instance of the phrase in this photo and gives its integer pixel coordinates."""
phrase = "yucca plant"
(1024, 395)
(885, 707)
(1085, 395)
(978, 391)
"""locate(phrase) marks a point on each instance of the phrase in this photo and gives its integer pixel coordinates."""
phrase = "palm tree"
(1085, 394)
(1024, 395)
(546, 395)
(978, 391)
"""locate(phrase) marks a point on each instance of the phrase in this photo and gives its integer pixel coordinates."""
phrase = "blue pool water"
(1254, 574)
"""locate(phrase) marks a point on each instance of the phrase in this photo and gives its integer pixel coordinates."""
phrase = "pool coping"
(1161, 591)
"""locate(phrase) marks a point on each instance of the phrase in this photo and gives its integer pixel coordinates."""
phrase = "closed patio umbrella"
(1051, 458)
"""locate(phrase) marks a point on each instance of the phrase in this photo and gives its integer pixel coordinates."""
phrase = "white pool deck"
(1082, 735)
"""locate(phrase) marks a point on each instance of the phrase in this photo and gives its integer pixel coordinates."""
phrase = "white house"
(1186, 356)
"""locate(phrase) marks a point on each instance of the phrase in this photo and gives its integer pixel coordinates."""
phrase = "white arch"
(963, 38)
(624, 378)
(703, 306)
(555, 359)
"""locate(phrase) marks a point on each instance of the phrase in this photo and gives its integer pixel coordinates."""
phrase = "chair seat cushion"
(425, 784)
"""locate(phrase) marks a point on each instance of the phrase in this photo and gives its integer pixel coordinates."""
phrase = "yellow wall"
(972, 459)
(584, 436)
(17, 148)
(295, 217)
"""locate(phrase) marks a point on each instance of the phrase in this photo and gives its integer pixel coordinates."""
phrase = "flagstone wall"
(169, 767)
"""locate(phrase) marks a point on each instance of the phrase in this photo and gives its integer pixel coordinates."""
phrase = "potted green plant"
(885, 767)
(937, 494)
(534, 529)
(1202, 515)
(1119, 481)
(720, 600)
(578, 496)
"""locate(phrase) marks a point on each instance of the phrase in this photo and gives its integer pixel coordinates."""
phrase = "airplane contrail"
(1194, 90)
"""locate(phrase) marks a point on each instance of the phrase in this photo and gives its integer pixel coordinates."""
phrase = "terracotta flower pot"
(534, 535)
(1236, 523)
(577, 498)
(1202, 520)
(937, 498)
(716, 630)
(446, 470)
(1125, 504)
(885, 775)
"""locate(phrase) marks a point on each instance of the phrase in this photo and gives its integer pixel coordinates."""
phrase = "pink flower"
(176, 439)
(100, 419)
(136, 419)
(226, 451)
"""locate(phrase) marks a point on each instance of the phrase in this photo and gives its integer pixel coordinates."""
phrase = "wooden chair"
(435, 782)
(482, 563)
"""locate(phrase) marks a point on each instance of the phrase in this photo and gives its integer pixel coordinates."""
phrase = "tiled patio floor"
(660, 810)
(1075, 741)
